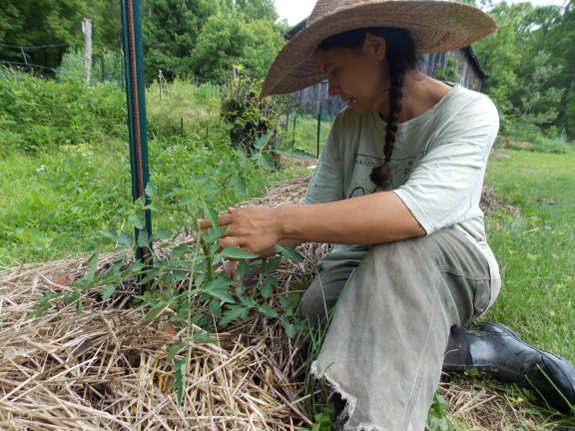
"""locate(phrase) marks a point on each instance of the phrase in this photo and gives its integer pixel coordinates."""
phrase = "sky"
(296, 10)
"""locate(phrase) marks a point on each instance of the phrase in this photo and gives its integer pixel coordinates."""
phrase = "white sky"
(296, 10)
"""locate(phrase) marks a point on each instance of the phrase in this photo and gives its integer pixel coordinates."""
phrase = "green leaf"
(74, 296)
(180, 378)
(151, 190)
(289, 252)
(155, 310)
(242, 268)
(233, 313)
(219, 288)
(180, 250)
(211, 214)
(295, 298)
(264, 160)
(107, 291)
(271, 265)
(232, 253)
(300, 154)
(262, 141)
(291, 330)
(267, 288)
(215, 307)
(472, 372)
(221, 293)
(79, 307)
(209, 189)
(203, 337)
(142, 239)
(173, 351)
(213, 234)
(268, 311)
(137, 221)
(238, 184)
(36, 313)
(163, 233)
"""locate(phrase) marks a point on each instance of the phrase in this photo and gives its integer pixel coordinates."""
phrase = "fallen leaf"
(65, 280)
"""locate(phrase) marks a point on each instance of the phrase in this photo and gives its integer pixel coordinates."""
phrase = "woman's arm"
(372, 219)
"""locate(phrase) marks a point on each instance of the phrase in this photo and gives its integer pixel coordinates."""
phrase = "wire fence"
(109, 70)
(109, 67)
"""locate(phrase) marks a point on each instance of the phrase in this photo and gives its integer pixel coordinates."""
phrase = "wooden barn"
(460, 66)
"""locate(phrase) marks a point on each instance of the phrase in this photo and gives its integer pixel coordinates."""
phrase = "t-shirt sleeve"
(326, 184)
(446, 183)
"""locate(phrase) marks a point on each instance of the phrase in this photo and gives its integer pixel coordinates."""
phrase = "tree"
(254, 10)
(560, 43)
(499, 54)
(53, 22)
(170, 30)
(536, 93)
(226, 40)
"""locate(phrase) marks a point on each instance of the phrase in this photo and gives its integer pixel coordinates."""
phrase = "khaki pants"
(384, 348)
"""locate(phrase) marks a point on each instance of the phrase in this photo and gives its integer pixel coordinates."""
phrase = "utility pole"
(87, 30)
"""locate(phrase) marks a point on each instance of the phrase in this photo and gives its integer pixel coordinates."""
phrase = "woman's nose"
(332, 89)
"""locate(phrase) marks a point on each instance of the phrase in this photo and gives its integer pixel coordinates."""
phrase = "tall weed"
(42, 114)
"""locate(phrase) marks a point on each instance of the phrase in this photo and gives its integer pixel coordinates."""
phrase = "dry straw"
(104, 370)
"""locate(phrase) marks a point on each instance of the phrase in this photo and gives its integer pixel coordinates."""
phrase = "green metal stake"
(318, 131)
(287, 119)
(182, 126)
(135, 93)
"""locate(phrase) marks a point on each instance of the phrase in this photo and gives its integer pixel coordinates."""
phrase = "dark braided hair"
(401, 58)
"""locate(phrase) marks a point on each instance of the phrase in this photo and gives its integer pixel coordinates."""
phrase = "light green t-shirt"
(438, 165)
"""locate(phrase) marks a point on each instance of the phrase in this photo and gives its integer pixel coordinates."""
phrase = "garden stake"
(133, 54)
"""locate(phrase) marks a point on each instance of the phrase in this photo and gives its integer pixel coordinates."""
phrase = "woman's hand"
(256, 229)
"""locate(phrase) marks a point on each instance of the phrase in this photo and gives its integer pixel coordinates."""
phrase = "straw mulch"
(104, 370)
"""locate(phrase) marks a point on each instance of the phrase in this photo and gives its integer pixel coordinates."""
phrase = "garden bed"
(104, 370)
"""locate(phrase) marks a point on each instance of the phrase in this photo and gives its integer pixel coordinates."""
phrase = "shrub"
(251, 120)
(43, 113)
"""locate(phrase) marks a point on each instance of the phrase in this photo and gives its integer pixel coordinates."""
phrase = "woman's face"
(357, 76)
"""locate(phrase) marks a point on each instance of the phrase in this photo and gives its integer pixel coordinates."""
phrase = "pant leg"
(322, 294)
(384, 348)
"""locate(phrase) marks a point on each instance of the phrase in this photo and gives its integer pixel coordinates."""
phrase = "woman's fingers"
(223, 220)
(252, 228)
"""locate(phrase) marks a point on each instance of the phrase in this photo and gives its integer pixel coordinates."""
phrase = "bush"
(41, 114)
(531, 138)
(106, 67)
(251, 120)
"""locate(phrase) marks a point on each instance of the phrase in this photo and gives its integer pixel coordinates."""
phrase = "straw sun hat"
(434, 25)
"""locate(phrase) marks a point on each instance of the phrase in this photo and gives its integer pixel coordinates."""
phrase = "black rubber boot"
(494, 348)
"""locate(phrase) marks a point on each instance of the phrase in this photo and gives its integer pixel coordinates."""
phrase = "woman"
(397, 188)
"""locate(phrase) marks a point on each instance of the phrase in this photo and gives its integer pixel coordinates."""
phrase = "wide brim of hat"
(435, 26)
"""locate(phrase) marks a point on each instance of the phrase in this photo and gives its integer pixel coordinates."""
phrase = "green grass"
(56, 200)
(305, 134)
(536, 252)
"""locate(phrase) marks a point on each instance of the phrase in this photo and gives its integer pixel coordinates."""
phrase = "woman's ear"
(376, 45)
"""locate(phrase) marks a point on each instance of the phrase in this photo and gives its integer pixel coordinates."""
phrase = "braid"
(380, 175)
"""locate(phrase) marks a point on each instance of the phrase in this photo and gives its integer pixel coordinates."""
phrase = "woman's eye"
(332, 73)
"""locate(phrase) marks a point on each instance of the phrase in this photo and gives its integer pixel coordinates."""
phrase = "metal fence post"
(135, 93)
